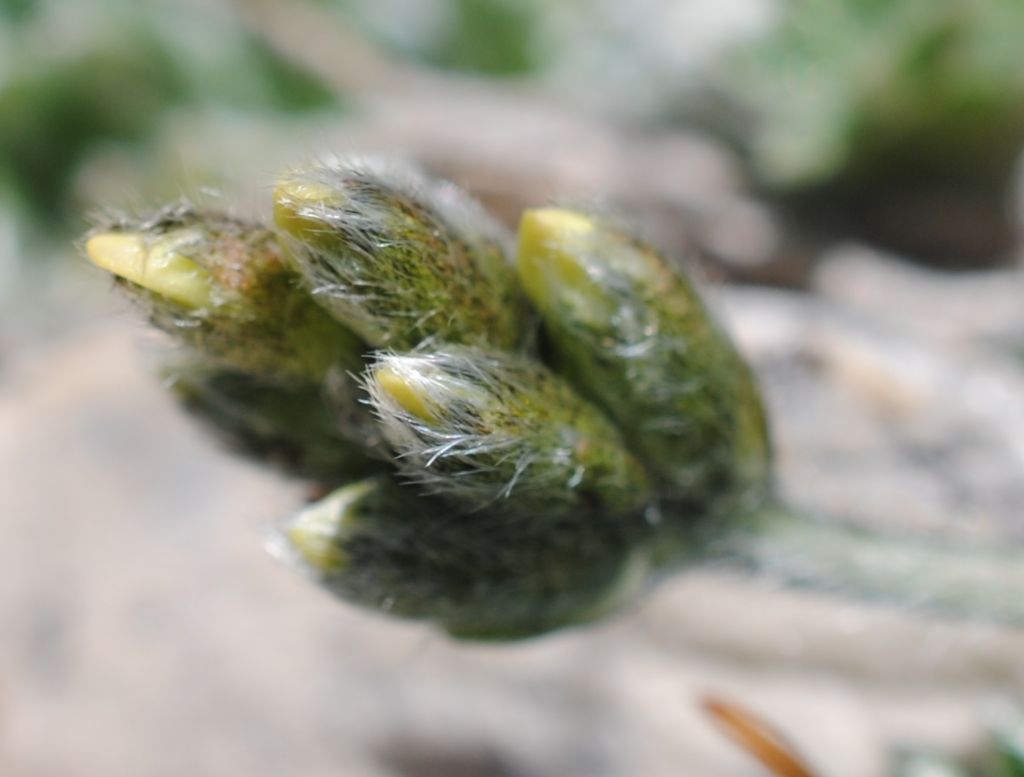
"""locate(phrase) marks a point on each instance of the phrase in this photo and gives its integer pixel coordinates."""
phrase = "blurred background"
(842, 177)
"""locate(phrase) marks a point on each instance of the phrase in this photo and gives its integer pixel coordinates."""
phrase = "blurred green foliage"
(115, 82)
(858, 106)
(1002, 755)
(872, 91)
(488, 37)
(88, 86)
(16, 9)
(55, 113)
(899, 123)
(1008, 749)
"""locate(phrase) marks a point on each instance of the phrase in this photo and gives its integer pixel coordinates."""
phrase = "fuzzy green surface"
(259, 317)
(400, 258)
(500, 431)
(293, 425)
(479, 576)
(633, 335)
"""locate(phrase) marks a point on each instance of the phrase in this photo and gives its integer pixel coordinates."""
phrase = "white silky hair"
(351, 280)
(469, 390)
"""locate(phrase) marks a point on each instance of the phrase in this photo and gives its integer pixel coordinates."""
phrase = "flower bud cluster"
(511, 445)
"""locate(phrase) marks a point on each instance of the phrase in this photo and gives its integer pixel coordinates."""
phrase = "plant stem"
(950, 578)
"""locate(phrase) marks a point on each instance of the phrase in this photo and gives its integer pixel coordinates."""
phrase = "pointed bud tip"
(409, 393)
(552, 253)
(153, 267)
(314, 534)
(553, 223)
(298, 201)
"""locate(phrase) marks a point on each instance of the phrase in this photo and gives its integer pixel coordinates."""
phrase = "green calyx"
(632, 334)
(400, 258)
(297, 426)
(222, 287)
(488, 429)
(377, 544)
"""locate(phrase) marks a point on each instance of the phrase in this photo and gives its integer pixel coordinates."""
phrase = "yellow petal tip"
(297, 202)
(317, 532)
(116, 252)
(406, 393)
(155, 267)
(547, 224)
(551, 257)
(315, 547)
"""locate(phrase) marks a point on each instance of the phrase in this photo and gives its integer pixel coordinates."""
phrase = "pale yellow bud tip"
(406, 391)
(315, 532)
(297, 204)
(551, 260)
(155, 267)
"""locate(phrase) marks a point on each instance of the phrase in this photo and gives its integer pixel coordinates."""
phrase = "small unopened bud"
(401, 258)
(490, 429)
(633, 335)
(291, 424)
(156, 265)
(222, 287)
(380, 545)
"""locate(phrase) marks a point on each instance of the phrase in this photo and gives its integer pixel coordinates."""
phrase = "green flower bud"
(491, 429)
(400, 258)
(292, 424)
(633, 335)
(222, 287)
(480, 576)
